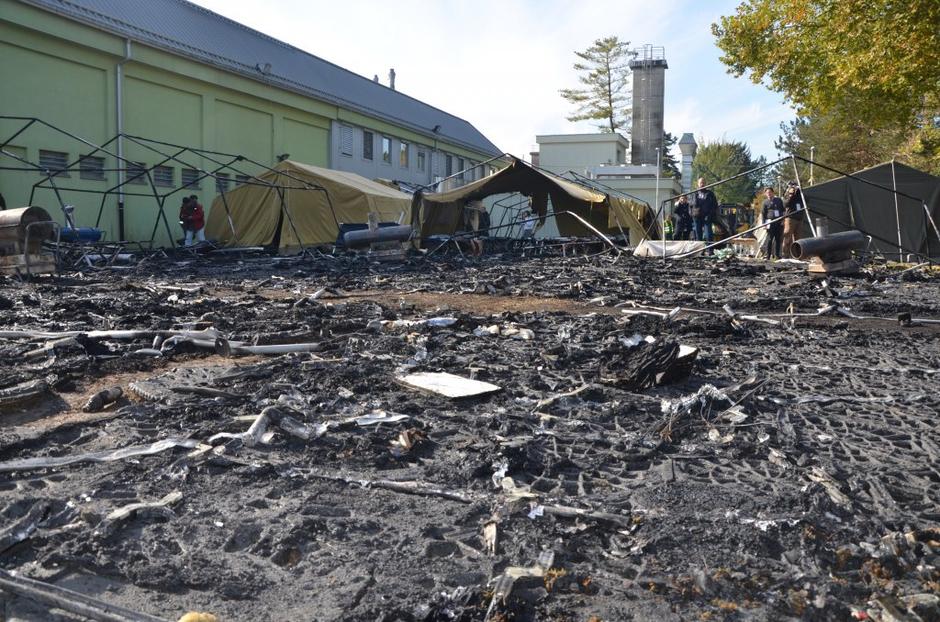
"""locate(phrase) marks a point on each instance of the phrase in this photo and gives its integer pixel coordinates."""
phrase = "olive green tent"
(440, 213)
(298, 204)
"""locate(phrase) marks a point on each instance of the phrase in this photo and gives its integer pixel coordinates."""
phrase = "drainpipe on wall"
(122, 175)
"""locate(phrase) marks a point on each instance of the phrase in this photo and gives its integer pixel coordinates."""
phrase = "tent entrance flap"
(441, 213)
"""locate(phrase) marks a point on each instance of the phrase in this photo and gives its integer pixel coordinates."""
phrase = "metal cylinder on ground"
(364, 237)
(817, 247)
(13, 225)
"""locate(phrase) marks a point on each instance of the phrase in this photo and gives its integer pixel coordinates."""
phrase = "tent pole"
(809, 215)
(659, 156)
(933, 224)
(897, 212)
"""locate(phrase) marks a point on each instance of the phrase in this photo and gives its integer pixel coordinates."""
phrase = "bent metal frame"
(222, 166)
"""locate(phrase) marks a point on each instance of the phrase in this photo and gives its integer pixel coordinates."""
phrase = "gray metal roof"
(189, 30)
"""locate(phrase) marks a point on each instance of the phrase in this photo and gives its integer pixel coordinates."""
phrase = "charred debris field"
(566, 438)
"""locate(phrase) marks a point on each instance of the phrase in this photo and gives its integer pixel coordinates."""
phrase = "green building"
(170, 71)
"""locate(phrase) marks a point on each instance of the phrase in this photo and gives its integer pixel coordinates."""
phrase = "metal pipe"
(816, 247)
(119, 113)
(364, 237)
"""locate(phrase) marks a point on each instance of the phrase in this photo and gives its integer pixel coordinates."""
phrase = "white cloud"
(500, 64)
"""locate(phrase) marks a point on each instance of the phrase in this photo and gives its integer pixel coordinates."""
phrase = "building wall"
(64, 73)
(560, 154)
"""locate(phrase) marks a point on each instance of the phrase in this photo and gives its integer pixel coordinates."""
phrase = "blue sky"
(500, 64)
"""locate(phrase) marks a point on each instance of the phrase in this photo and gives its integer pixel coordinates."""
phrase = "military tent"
(297, 204)
(885, 202)
(441, 213)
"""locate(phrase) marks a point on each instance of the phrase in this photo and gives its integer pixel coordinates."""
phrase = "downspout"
(122, 167)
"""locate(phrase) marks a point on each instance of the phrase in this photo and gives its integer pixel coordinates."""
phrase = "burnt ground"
(793, 472)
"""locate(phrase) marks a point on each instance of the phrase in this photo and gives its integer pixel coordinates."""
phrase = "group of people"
(192, 220)
(693, 220)
(787, 217)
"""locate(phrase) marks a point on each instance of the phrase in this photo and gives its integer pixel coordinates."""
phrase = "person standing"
(197, 222)
(703, 212)
(683, 217)
(793, 210)
(771, 209)
(186, 219)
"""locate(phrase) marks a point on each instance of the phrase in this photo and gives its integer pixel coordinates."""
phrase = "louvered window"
(54, 162)
(422, 160)
(91, 167)
(163, 176)
(345, 140)
(190, 178)
(221, 182)
(135, 173)
(242, 179)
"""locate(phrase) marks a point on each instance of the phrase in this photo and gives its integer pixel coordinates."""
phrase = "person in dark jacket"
(682, 214)
(771, 209)
(793, 210)
(703, 212)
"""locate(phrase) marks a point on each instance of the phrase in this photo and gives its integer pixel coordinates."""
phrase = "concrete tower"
(687, 146)
(649, 82)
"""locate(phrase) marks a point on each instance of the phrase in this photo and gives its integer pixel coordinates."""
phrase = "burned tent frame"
(167, 152)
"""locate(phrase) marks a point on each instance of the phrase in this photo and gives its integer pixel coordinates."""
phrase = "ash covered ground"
(791, 472)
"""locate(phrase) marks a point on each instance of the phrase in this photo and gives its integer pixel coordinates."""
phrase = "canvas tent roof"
(440, 213)
(315, 201)
(850, 203)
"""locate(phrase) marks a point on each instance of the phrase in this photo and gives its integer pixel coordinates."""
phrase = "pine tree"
(605, 74)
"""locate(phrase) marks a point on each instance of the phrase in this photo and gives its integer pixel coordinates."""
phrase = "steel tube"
(364, 237)
(815, 247)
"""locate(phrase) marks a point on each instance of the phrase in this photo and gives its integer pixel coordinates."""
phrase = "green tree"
(724, 159)
(875, 62)
(605, 76)
(670, 165)
(921, 147)
(831, 140)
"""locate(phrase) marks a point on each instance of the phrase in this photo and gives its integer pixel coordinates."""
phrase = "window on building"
(422, 160)
(190, 178)
(222, 181)
(345, 140)
(91, 167)
(368, 143)
(403, 154)
(448, 165)
(460, 169)
(241, 180)
(386, 149)
(135, 173)
(163, 176)
(54, 161)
